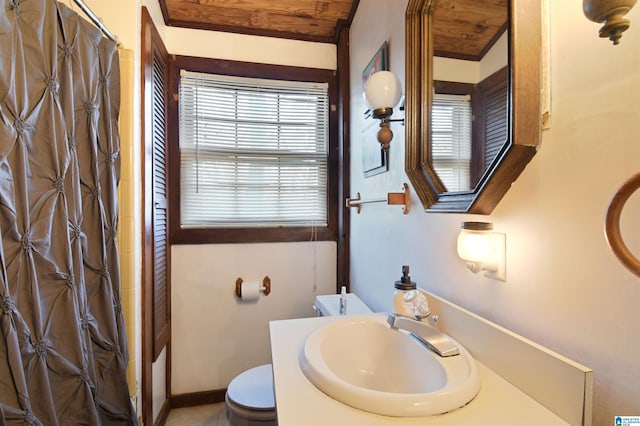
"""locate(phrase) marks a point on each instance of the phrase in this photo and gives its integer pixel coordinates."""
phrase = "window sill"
(252, 235)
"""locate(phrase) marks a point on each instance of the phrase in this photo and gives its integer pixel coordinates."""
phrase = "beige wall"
(127, 241)
(216, 336)
(564, 287)
(473, 72)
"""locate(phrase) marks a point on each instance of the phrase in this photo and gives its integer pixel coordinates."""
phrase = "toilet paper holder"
(266, 286)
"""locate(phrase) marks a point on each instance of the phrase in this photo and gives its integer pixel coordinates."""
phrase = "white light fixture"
(382, 92)
(483, 249)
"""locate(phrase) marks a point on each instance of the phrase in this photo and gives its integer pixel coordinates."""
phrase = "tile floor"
(201, 415)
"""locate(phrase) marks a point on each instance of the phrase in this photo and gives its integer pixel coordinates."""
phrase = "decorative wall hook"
(392, 198)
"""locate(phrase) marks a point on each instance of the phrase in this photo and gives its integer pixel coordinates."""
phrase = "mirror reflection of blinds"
(253, 152)
(451, 140)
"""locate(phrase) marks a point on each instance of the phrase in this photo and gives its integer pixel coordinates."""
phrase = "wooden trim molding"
(344, 159)
(198, 398)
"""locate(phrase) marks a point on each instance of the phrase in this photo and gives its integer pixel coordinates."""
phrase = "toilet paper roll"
(250, 291)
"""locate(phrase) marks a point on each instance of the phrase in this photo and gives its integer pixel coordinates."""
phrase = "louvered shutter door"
(161, 301)
(496, 126)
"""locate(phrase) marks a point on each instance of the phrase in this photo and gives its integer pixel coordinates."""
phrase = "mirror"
(490, 66)
(471, 85)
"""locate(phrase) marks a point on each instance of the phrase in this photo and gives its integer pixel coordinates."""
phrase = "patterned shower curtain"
(63, 348)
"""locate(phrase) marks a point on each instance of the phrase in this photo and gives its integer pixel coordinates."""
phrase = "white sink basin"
(362, 362)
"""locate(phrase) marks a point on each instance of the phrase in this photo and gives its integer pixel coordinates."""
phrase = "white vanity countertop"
(300, 403)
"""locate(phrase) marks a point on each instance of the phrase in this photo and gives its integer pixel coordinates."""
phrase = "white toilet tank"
(329, 305)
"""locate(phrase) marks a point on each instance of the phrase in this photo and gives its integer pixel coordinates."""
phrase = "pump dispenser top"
(402, 286)
(405, 282)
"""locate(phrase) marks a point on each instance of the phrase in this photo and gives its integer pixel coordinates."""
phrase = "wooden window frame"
(479, 93)
(467, 89)
(179, 235)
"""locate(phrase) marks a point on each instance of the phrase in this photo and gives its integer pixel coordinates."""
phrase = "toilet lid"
(253, 388)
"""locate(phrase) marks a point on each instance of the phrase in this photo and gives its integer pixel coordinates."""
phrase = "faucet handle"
(415, 301)
(393, 317)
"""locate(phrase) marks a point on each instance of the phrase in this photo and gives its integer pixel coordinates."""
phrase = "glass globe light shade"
(382, 90)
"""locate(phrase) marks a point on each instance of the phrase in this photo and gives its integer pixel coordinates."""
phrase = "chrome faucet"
(425, 334)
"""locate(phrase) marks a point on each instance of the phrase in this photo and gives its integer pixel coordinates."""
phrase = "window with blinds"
(253, 152)
(451, 140)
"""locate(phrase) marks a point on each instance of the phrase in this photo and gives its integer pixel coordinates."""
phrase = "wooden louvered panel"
(496, 126)
(491, 122)
(491, 128)
(161, 288)
(160, 296)
(160, 180)
(156, 263)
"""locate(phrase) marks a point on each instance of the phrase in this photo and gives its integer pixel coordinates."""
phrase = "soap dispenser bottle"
(402, 286)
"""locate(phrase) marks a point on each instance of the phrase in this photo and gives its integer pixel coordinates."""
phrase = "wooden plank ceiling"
(463, 29)
(466, 29)
(311, 20)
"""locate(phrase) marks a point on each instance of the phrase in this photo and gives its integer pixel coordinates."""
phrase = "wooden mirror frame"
(525, 42)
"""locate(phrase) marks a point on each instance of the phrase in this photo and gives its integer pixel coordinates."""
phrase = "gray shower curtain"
(63, 348)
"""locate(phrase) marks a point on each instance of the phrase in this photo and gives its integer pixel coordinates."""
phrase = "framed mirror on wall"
(473, 79)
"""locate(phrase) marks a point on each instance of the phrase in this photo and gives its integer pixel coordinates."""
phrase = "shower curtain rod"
(97, 21)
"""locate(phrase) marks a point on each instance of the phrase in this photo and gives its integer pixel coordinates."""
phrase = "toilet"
(250, 397)
(250, 400)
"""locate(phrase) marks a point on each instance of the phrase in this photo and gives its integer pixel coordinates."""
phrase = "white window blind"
(253, 152)
(451, 140)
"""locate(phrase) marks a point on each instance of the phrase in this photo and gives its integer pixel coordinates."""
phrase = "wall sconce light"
(483, 249)
(610, 13)
(382, 92)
